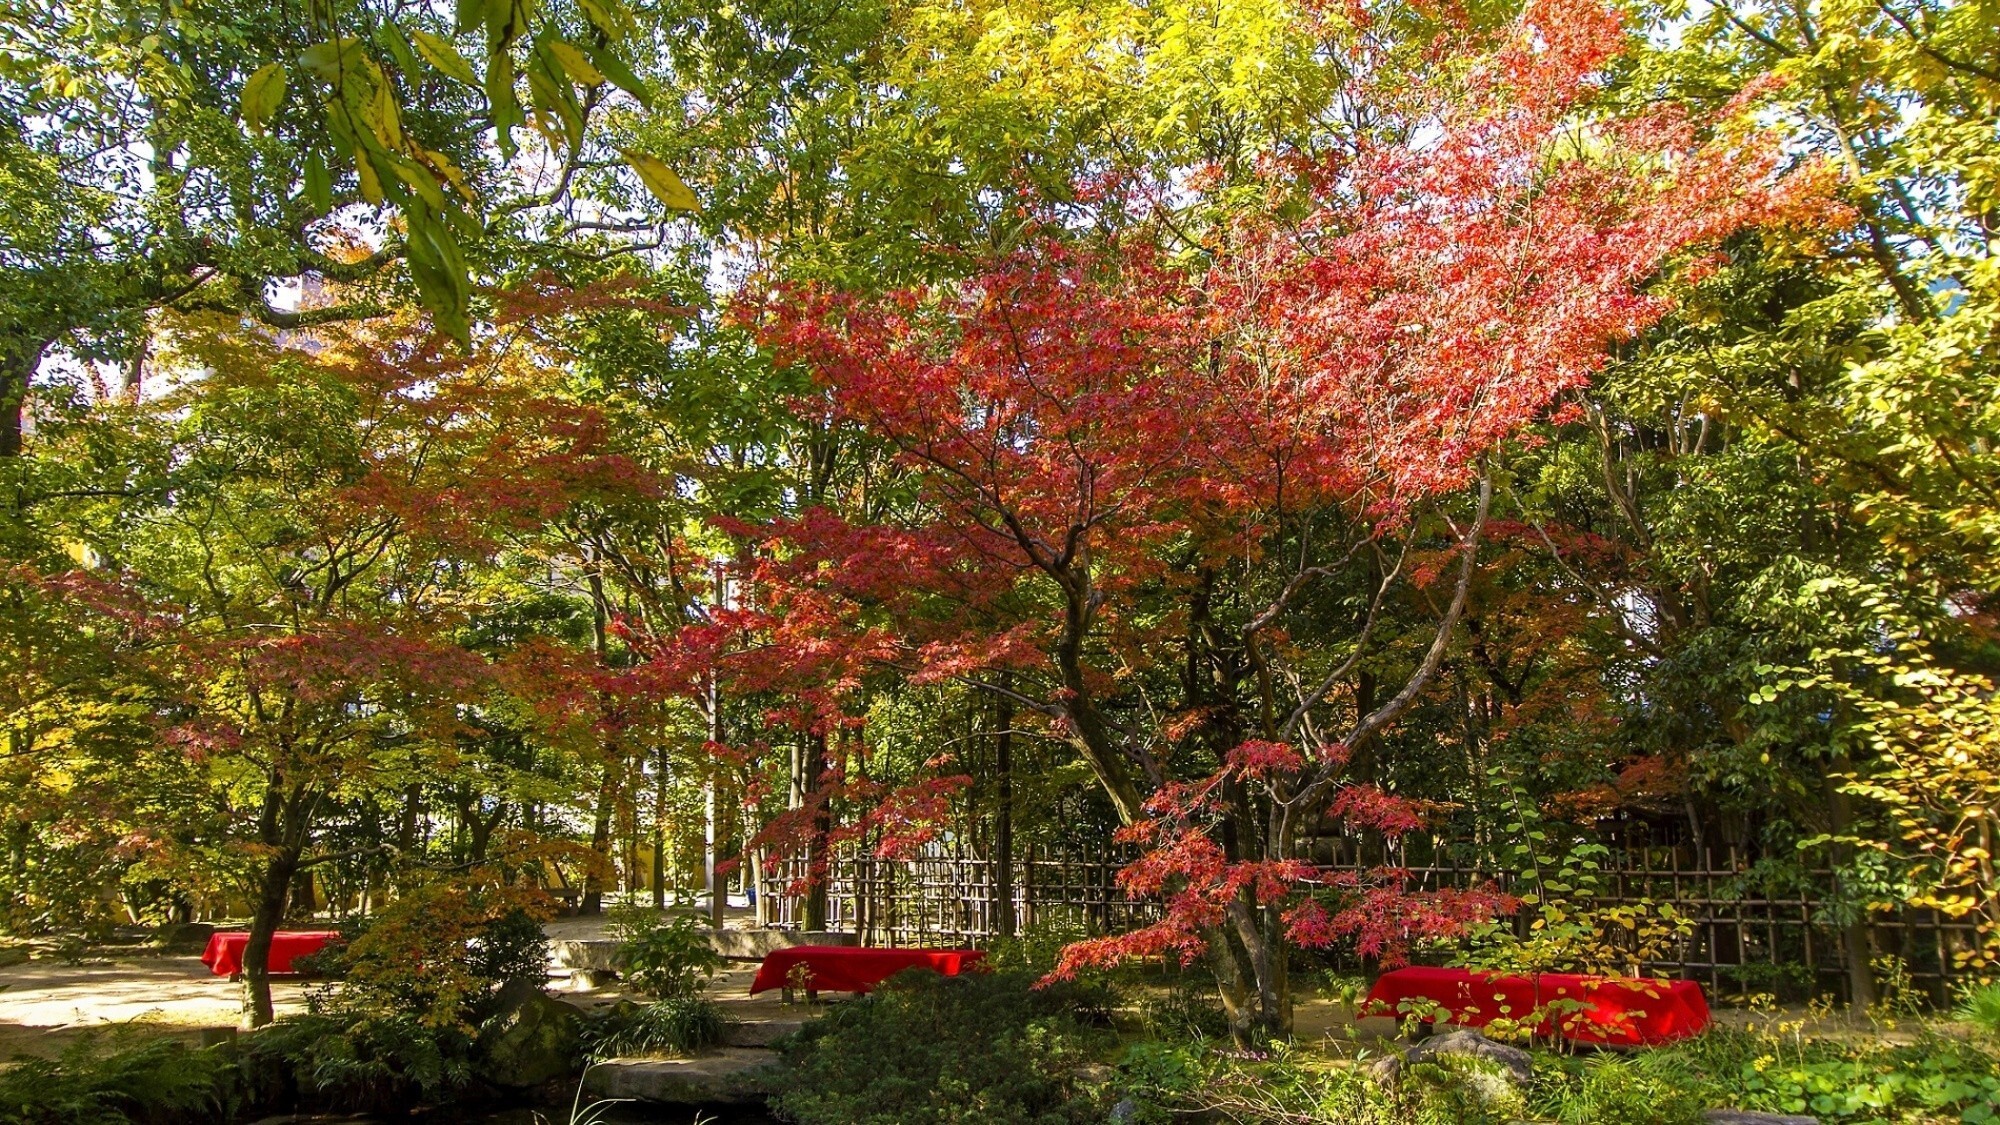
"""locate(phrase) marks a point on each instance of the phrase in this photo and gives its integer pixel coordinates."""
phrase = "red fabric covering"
(841, 968)
(224, 955)
(1625, 1012)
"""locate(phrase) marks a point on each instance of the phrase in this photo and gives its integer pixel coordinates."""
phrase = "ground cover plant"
(671, 961)
(1842, 1078)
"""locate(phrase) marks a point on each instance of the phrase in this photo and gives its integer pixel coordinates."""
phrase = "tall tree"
(1126, 470)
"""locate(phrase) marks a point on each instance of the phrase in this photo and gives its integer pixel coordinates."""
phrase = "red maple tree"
(1139, 482)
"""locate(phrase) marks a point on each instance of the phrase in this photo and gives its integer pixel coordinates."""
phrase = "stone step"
(601, 954)
(761, 1032)
(730, 1076)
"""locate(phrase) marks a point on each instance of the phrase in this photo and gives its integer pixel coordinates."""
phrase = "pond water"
(627, 1114)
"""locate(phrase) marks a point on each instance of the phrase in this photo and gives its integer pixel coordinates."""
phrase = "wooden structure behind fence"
(1750, 935)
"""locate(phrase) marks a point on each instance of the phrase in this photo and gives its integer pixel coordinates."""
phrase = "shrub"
(509, 947)
(1640, 1089)
(1187, 1010)
(1980, 1007)
(1849, 1081)
(931, 1050)
(161, 1082)
(1933, 1079)
(1036, 948)
(374, 1063)
(663, 955)
(1284, 1086)
(678, 1025)
(441, 955)
(371, 1063)
(1158, 1075)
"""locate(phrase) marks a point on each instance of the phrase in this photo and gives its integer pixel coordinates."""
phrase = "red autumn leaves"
(1093, 429)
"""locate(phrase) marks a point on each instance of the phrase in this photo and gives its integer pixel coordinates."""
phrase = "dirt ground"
(45, 1004)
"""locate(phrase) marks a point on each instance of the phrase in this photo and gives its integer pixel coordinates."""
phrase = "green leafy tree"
(205, 157)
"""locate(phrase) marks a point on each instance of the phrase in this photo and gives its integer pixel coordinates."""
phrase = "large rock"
(733, 1075)
(1495, 1074)
(533, 1039)
(1514, 1063)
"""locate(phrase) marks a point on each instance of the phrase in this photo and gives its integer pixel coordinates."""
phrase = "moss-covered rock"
(530, 1040)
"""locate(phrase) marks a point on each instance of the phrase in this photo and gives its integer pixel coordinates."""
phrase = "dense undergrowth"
(928, 1049)
(994, 1048)
(1934, 1080)
(315, 1062)
(932, 1050)
(390, 1028)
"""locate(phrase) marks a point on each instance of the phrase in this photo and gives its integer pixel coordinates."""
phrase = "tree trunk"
(284, 827)
(660, 833)
(19, 835)
(303, 900)
(407, 838)
(712, 818)
(711, 854)
(819, 865)
(1003, 817)
(1854, 939)
(273, 892)
(19, 356)
(1249, 965)
(600, 842)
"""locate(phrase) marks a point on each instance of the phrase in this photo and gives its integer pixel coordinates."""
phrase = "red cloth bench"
(1615, 1011)
(224, 955)
(843, 968)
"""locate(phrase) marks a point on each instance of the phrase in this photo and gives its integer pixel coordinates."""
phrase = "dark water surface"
(630, 1113)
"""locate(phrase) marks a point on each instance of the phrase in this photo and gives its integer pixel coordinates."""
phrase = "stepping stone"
(731, 1076)
(761, 1032)
(1753, 1117)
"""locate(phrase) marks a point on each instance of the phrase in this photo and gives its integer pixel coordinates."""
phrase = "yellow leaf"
(450, 172)
(384, 116)
(439, 52)
(420, 180)
(572, 60)
(262, 95)
(371, 186)
(661, 180)
(605, 16)
(327, 60)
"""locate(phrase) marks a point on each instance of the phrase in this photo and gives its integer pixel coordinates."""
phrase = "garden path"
(46, 1004)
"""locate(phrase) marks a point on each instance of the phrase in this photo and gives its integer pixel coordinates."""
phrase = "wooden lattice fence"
(1752, 933)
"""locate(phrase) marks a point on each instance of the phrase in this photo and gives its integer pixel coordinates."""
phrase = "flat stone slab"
(601, 954)
(586, 954)
(754, 945)
(730, 1076)
(761, 1032)
(1754, 1117)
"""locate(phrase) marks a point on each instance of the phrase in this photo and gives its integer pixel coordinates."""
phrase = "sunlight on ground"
(45, 1005)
